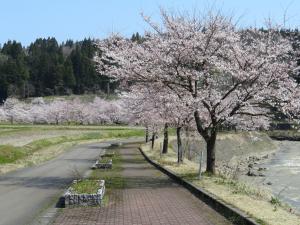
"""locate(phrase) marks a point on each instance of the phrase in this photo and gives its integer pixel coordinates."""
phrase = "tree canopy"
(218, 73)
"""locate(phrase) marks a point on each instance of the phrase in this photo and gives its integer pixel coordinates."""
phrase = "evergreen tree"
(46, 62)
(46, 67)
(137, 38)
(13, 70)
(68, 75)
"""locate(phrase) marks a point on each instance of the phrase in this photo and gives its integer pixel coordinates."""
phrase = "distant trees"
(63, 111)
(47, 68)
(137, 38)
(45, 60)
(13, 69)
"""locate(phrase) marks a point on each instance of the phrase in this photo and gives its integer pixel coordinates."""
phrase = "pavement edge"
(233, 214)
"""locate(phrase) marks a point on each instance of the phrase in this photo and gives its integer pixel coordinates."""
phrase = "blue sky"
(25, 20)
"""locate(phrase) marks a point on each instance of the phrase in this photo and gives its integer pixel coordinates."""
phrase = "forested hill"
(47, 68)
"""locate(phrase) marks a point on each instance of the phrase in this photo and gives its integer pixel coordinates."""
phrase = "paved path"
(24, 193)
(150, 198)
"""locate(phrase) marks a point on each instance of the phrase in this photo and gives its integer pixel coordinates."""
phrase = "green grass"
(275, 201)
(238, 187)
(86, 187)
(10, 154)
(60, 127)
(113, 177)
(261, 222)
(4, 130)
(105, 160)
(109, 154)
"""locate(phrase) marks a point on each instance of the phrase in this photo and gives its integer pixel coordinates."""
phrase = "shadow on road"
(36, 182)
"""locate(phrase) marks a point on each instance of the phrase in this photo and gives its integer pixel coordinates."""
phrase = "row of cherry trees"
(62, 111)
(203, 72)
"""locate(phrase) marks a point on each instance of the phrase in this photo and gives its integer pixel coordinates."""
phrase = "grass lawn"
(29, 145)
(105, 160)
(86, 186)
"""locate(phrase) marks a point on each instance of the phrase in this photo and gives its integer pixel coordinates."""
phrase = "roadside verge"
(234, 215)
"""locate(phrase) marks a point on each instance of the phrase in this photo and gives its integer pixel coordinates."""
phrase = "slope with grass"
(22, 146)
(253, 200)
(233, 144)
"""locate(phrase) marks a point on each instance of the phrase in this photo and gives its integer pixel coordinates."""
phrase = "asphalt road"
(27, 192)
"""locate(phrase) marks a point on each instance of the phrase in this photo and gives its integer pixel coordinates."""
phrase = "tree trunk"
(166, 139)
(147, 134)
(210, 139)
(188, 144)
(152, 140)
(189, 156)
(179, 145)
(211, 153)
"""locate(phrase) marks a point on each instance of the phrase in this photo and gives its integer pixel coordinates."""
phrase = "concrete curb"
(231, 213)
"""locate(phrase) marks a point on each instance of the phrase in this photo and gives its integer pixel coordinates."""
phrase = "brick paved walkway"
(150, 198)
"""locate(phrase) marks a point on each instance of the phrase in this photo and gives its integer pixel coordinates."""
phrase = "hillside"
(232, 147)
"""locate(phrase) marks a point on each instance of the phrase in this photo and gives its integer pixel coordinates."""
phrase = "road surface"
(27, 192)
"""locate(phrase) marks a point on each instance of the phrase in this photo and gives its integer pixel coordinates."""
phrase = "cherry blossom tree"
(156, 108)
(3, 117)
(98, 108)
(115, 111)
(13, 109)
(60, 110)
(226, 75)
(38, 111)
(56, 111)
(141, 109)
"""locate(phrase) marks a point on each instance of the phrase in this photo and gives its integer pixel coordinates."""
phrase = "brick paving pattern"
(150, 198)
